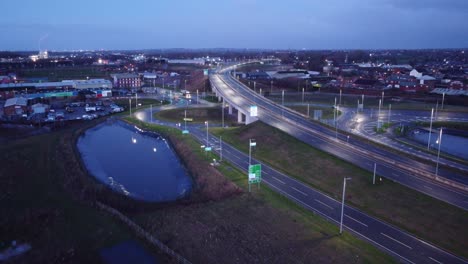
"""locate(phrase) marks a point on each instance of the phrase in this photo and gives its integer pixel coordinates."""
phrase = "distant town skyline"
(256, 24)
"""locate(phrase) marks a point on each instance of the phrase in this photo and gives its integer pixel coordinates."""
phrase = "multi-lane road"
(388, 238)
(413, 174)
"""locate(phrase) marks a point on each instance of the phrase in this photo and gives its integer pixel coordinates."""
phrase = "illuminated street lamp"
(207, 143)
(430, 129)
(342, 203)
(439, 141)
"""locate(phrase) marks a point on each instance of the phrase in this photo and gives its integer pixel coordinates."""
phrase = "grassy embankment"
(46, 201)
(261, 226)
(426, 217)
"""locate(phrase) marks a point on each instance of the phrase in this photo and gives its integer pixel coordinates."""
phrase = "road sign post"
(255, 174)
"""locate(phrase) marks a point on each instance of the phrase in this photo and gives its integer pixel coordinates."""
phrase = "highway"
(389, 165)
(388, 238)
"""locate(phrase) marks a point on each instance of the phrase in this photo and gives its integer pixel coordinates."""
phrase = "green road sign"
(188, 119)
(208, 149)
(255, 173)
(185, 131)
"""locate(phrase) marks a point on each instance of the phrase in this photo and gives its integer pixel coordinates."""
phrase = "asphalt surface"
(408, 172)
(401, 245)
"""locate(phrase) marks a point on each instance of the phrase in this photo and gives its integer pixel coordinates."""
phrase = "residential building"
(126, 80)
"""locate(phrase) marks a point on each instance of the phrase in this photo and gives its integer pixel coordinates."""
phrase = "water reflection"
(454, 145)
(134, 162)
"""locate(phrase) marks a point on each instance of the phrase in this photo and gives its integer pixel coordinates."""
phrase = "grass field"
(261, 226)
(199, 115)
(372, 102)
(428, 218)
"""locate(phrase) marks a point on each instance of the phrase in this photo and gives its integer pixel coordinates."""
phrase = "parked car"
(90, 108)
(116, 109)
(69, 110)
(99, 108)
(87, 117)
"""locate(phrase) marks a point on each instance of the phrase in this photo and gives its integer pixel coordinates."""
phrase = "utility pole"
(308, 110)
(130, 104)
(271, 87)
(151, 111)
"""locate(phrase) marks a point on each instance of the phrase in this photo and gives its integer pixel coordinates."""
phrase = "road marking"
(435, 260)
(356, 220)
(301, 192)
(396, 240)
(427, 187)
(324, 204)
(279, 180)
(396, 175)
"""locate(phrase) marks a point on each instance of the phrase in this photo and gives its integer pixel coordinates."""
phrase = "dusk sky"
(293, 24)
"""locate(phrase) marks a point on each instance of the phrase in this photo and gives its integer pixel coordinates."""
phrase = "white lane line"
(264, 172)
(299, 191)
(435, 260)
(396, 175)
(356, 220)
(427, 187)
(279, 180)
(324, 204)
(401, 243)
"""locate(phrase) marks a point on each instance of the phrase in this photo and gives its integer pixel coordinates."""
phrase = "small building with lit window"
(126, 80)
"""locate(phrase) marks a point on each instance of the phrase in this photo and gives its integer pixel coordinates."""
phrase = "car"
(87, 117)
(99, 108)
(90, 108)
(116, 109)
(69, 109)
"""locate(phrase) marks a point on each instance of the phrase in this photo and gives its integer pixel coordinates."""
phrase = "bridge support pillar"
(239, 116)
(230, 109)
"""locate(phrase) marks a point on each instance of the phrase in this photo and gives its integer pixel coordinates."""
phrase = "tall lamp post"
(207, 144)
(130, 104)
(443, 97)
(439, 141)
(342, 203)
(430, 130)
(282, 103)
(271, 87)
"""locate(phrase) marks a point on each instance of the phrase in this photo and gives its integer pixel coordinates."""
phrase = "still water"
(451, 144)
(138, 164)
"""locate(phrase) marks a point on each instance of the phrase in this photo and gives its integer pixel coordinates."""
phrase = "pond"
(452, 144)
(134, 162)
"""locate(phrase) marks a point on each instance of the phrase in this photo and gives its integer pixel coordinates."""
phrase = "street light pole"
(340, 96)
(363, 102)
(389, 113)
(271, 87)
(382, 96)
(130, 104)
(430, 129)
(151, 112)
(443, 97)
(438, 152)
(342, 203)
(302, 94)
(197, 98)
(378, 116)
(136, 100)
(255, 90)
(308, 110)
(207, 142)
(282, 103)
(375, 169)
